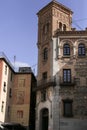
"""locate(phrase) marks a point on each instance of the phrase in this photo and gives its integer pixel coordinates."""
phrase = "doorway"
(44, 119)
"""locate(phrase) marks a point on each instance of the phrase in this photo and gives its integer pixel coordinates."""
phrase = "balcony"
(45, 83)
(67, 83)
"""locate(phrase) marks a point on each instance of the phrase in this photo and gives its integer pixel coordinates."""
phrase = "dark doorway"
(44, 119)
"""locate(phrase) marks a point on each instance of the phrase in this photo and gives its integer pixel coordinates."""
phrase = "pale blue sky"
(18, 26)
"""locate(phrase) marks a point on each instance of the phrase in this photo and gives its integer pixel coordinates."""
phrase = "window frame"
(66, 49)
(4, 87)
(46, 28)
(44, 75)
(64, 27)
(81, 49)
(45, 54)
(11, 76)
(2, 106)
(68, 104)
(60, 26)
(66, 75)
(6, 68)
(43, 95)
(10, 93)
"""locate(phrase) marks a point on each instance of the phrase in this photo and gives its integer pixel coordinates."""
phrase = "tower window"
(64, 27)
(60, 26)
(67, 107)
(43, 95)
(45, 54)
(66, 49)
(81, 49)
(44, 76)
(45, 28)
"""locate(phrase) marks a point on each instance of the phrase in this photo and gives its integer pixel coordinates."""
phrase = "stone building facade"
(17, 100)
(61, 101)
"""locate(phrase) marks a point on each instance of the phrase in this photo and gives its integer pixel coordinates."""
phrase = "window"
(20, 114)
(81, 49)
(44, 76)
(67, 107)
(11, 76)
(60, 26)
(66, 75)
(2, 106)
(43, 95)
(4, 87)
(5, 69)
(64, 27)
(10, 93)
(66, 49)
(8, 110)
(46, 28)
(45, 54)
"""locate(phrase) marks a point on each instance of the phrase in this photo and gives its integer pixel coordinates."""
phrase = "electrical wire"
(74, 22)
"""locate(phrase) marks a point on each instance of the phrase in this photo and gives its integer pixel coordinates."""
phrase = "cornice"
(71, 33)
(54, 3)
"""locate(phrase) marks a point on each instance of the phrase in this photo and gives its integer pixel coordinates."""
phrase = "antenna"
(14, 60)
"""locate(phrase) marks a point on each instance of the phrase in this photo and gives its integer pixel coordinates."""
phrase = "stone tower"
(51, 18)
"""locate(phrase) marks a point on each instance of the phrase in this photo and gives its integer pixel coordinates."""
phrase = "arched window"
(46, 28)
(64, 27)
(81, 49)
(66, 49)
(60, 26)
(45, 54)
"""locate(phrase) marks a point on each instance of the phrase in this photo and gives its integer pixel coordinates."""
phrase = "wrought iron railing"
(70, 82)
(44, 83)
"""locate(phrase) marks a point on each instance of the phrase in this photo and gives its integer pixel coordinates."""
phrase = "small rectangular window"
(45, 54)
(2, 106)
(4, 87)
(11, 76)
(67, 105)
(43, 95)
(8, 110)
(66, 75)
(10, 92)
(44, 76)
(5, 69)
